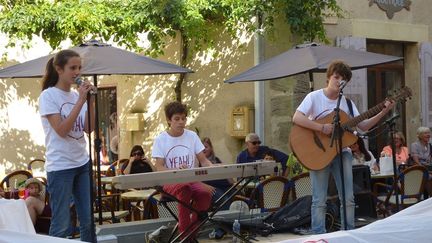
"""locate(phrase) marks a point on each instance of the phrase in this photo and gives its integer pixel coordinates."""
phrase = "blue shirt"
(245, 157)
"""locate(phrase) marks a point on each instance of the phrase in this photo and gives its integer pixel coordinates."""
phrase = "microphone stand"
(337, 138)
(391, 126)
(97, 149)
(92, 221)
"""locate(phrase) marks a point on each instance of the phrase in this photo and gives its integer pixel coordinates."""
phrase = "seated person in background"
(269, 156)
(35, 201)
(138, 163)
(221, 186)
(421, 149)
(178, 148)
(362, 156)
(294, 167)
(104, 158)
(254, 151)
(401, 150)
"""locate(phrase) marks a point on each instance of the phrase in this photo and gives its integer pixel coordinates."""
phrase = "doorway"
(108, 124)
(382, 81)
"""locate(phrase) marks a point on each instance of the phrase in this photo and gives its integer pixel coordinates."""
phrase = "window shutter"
(426, 83)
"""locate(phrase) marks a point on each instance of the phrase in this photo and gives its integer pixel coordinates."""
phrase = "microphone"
(79, 81)
(353, 131)
(342, 84)
(391, 119)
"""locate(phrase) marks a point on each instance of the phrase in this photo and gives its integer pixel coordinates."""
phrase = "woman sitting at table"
(402, 154)
(138, 163)
(362, 156)
(421, 149)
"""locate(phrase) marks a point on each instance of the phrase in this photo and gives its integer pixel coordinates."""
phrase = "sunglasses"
(256, 142)
(137, 154)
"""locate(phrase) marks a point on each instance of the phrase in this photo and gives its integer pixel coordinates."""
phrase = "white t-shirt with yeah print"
(70, 151)
(177, 151)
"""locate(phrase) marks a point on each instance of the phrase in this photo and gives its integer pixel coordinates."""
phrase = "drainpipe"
(259, 85)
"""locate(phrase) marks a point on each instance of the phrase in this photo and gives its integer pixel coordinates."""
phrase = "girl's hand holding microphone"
(85, 87)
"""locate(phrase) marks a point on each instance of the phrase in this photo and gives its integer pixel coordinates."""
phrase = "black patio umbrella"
(309, 58)
(98, 59)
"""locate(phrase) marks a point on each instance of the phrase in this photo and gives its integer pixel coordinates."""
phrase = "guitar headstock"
(401, 94)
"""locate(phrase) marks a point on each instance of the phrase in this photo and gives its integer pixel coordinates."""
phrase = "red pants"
(186, 192)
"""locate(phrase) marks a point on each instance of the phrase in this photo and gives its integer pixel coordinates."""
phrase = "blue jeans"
(320, 180)
(217, 194)
(63, 186)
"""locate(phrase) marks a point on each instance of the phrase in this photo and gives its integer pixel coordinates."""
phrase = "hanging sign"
(391, 6)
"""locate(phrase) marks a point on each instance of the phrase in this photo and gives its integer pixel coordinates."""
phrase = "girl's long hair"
(363, 149)
(136, 148)
(50, 78)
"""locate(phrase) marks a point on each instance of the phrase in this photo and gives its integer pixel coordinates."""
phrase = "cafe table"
(381, 176)
(134, 196)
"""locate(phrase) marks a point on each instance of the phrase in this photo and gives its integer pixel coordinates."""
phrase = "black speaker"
(361, 179)
(364, 205)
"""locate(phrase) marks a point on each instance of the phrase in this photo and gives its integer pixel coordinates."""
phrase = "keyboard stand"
(205, 216)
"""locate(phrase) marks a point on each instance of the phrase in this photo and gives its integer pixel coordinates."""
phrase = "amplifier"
(364, 205)
(361, 179)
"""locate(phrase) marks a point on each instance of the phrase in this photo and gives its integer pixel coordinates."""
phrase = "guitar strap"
(349, 103)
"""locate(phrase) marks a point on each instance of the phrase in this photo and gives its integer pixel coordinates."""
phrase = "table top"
(102, 167)
(250, 185)
(106, 180)
(137, 194)
(379, 175)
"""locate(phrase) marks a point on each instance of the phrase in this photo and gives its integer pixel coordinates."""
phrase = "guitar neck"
(365, 115)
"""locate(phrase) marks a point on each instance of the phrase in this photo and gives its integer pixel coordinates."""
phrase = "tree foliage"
(122, 20)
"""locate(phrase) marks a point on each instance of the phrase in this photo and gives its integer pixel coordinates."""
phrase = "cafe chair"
(269, 195)
(122, 163)
(301, 185)
(410, 184)
(157, 206)
(272, 193)
(15, 179)
(37, 167)
(110, 212)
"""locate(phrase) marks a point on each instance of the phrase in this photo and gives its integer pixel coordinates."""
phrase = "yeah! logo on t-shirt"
(77, 130)
(179, 155)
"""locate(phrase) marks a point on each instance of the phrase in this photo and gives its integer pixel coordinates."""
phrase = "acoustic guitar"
(313, 149)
